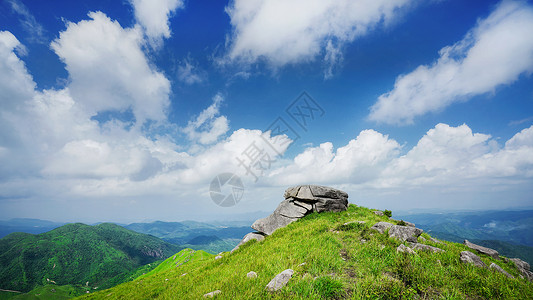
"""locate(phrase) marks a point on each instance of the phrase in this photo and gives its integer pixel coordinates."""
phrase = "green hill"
(331, 260)
(184, 256)
(77, 254)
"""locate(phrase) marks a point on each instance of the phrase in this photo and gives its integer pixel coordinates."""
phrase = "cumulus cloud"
(286, 32)
(208, 125)
(494, 53)
(109, 71)
(445, 156)
(153, 16)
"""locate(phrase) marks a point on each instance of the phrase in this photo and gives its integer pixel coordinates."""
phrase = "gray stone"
(251, 274)
(330, 204)
(212, 294)
(421, 238)
(248, 237)
(494, 266)
(483, 250)
(381, 227)
(378, 212)
(269, 224)
(523, 267)
(427, 248)
(404, 249)
(305, 193)
(468, 257)
(303, 204)
(404, 233)
(409, 224)
(290, 210)
(280, 280)
(434, 240)
(218, 257)
(327, 192)
(352, 222)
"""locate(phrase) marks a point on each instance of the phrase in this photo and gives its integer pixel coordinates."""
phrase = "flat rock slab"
(290, 209)
(523, 267)
(404, 249)
(468, 257)
(405, 233)
(494, 266)
(280, 280)
(269, 224)
(483, 250)
(381, 227)
(427, 248)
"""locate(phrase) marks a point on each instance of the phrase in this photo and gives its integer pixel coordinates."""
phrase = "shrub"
(388, 213)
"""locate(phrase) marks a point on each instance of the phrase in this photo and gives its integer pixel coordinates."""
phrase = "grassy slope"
(337, 264)
(104, 255)
(178, 259)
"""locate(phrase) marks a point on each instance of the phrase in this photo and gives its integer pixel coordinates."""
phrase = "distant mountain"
(34, 226)
(509, 232)
(196, 235)
(78, 254)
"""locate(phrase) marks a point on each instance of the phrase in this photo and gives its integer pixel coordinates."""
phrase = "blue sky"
(127, 110)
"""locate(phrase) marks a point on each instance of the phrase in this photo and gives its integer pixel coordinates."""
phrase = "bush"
(388, 213)
(328, 287)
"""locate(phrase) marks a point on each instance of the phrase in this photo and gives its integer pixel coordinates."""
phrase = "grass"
(331, 260)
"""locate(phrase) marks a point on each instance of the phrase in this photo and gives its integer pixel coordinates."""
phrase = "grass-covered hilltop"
(334, 255)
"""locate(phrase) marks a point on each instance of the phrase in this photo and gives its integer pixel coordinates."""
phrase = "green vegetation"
(332, 259)
(178, 259)
(96, 257)
(387, 213)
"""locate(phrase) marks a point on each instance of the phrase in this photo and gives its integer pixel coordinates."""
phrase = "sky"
(137, 110)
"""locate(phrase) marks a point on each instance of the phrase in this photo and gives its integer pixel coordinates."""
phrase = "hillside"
(332, 258)
(93, 256)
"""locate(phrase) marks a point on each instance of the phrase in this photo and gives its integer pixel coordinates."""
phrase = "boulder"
(381, 227)
(280, 280)
(523, 267)
(248, 237)
(404, 249)
(409, 224)
(300, 201)
(494, 266)
(483, 250)
(427, 248)
(405, 233)
(434, 240)
(468, 257)
(378, 212)
(212, 294)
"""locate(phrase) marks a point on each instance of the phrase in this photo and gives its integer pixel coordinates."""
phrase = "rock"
(354, 222)
(248, 237)
(212, 294)
(404, 249)
(378, 212)
(381, 227)
(427, 248)
(434, 240)
(409, 224)
(251, 274)
(300, 201)
(523, 267)
(483, 250)
(218, 257)
(280, 280)
(468, 257)
(421, 238)
(494, 266)
(405, 233)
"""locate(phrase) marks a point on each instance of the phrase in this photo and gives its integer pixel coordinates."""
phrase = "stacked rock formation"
(299, 201)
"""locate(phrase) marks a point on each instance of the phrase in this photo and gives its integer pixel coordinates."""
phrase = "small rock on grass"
(404, 249)
(468, 257)
(251, 274)
(280, 280)
(212, 294)
(494, 266)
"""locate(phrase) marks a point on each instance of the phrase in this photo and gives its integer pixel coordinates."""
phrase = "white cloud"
(190, 73)
(444, 157)
(285, 32)
(109, 71)
(208, 126)
(28, 21)
(153, 16)
(494, 53)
